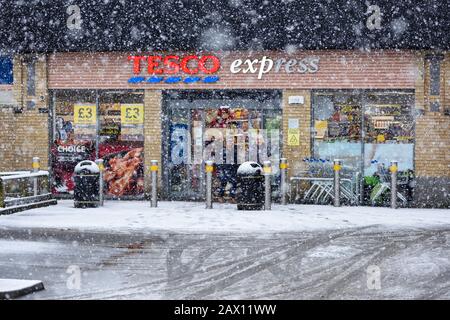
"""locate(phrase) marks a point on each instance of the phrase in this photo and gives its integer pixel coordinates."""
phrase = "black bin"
(87, 185)
(250, 190)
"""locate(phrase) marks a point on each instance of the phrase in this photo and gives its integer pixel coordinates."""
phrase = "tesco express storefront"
(185, 108)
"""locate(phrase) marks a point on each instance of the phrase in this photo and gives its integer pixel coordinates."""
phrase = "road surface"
(362, 263)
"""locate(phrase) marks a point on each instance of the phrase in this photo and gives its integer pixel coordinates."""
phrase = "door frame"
(192, 96)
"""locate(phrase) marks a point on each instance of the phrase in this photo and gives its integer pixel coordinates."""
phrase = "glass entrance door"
(229, 132)
(185, 180)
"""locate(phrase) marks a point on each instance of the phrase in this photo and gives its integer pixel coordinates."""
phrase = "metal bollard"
(101, 166)
(154, 177)
(267, 192)
(337, 182)
(283, 187)
(36, 165)
(394, 168)
(209, 170)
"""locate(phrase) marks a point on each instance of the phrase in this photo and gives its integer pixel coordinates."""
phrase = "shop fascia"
(265, 65)
(202, 68)
(196, 68)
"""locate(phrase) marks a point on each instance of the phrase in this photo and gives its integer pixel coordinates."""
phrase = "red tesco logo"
(172, 64)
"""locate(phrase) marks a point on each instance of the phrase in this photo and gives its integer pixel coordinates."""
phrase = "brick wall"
(446, 82)
(433, 128)
(302, 112)
(433, 145)
(432, 149)
(18, 85)
(152, 132)
(25, 134)
(419, 85)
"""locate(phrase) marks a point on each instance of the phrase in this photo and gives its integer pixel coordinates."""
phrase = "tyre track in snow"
(179, 283)
(346, 272)
(243, 267)
(298, 251)
(246, 266)
(274, 266)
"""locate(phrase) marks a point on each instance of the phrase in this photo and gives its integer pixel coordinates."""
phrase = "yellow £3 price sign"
(132, 113)
(84, 114)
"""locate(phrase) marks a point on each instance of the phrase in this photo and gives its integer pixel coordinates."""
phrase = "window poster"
(321, 127)
(124, 167)
(122, 148)
(65, 154)
(85, 121)
(293, 132)
(132, 121)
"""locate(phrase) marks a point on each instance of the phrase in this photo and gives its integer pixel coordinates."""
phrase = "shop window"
(88, 125)
(337, 128)
(389, 135)
(6, 70)
(121, 142)
(367, 130)
(388, 131)
(74, 135)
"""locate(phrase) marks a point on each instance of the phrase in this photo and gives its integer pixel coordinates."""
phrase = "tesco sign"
(195, 68)
(191, 65)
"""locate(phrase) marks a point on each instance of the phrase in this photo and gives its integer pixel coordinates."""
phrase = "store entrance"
(226, 127)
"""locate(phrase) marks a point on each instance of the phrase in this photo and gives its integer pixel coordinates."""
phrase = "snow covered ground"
(182, 251)
(412, 264)
(137, 216)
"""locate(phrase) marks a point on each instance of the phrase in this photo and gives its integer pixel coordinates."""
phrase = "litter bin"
(87, 184)
(250, 186)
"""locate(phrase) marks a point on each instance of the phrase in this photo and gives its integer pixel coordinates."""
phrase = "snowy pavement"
(313, 265)
(127, 250)
(130, 217)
